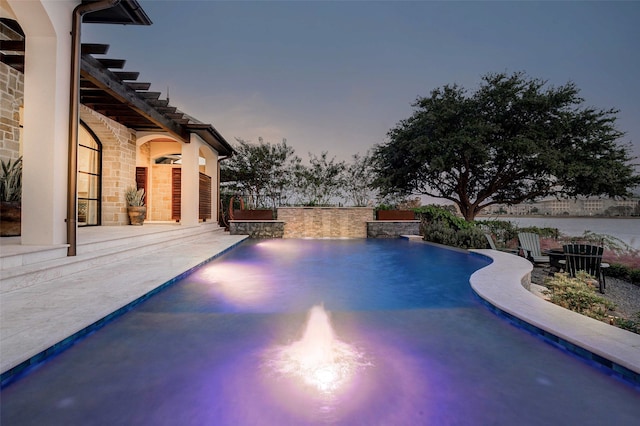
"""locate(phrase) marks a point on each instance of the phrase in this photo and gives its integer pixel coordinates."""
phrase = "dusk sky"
(336, 76)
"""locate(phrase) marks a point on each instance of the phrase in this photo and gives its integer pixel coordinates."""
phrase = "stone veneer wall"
(392, 229)
(160, 202)
(257, 228)
(11, 99)
(118, 164)
(325, 222)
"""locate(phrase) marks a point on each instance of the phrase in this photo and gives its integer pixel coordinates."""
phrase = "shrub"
(470, 238)
(578, 295)
(438, 232)
(617, 270)
(442, 233)
(433, 213)
(632, 325)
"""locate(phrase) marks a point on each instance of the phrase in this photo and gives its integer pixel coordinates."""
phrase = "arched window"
(89, 177)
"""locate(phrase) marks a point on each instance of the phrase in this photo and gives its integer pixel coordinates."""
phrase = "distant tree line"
(269, 175)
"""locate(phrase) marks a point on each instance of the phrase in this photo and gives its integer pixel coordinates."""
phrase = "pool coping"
(501, 285)
(98, 320)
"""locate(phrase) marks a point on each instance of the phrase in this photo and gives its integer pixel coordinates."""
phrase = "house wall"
(160, 208)
(118, 164)
(11, 100)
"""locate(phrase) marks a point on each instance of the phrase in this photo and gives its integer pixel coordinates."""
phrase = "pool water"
(430, 352)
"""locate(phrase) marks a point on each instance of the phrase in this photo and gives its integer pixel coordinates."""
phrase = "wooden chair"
(587, 258)
(530, 246)
(492, 245)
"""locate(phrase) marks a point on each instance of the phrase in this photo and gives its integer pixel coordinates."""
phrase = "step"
(98, 253)
(27, 255)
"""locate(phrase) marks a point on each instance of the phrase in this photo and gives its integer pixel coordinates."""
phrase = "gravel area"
(624, 294)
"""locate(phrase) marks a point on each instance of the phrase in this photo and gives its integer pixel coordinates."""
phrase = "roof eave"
(211, 137)
(126, 12)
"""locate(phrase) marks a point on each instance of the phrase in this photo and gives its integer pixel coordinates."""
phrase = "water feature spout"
(319, 359)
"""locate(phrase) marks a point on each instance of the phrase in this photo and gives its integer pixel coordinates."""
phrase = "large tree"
(512, 140)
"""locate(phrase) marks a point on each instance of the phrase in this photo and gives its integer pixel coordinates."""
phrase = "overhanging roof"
(119, 96)
(126, 12)
(113, 93)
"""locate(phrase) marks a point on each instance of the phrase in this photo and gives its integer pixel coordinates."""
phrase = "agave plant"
(135, 197)
(11, 180)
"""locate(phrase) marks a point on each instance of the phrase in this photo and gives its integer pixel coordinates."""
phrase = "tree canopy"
(272, 175)
(514, 139)
(261, 172)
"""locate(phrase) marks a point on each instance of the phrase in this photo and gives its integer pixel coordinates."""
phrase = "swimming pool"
(431, 352)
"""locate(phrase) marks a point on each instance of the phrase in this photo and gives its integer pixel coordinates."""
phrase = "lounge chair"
(530, 246)
(587, 258)
(492, 245)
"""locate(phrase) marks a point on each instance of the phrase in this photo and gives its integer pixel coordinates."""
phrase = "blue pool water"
(432, 354)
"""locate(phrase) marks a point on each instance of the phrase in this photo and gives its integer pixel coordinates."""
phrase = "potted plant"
(135, 205)
(11, 198)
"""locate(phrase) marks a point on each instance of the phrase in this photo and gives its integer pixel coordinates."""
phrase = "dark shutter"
(141, 180)
(176, 179)
(204, 193)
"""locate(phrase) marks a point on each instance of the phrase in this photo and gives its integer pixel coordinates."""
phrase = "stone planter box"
(257, 228)
(395, 215)
(392, 229)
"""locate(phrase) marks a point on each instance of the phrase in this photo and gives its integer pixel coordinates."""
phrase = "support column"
(211, 169)
(190, 182)
(46, 119)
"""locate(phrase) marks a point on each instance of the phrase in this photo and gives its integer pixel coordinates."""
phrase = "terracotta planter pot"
(10, 218)
(137, 214)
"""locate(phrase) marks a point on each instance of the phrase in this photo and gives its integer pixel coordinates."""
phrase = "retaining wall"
(325, 222)
(257, 228)
(392, 229)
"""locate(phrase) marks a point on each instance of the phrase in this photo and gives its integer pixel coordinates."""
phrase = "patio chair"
(587, 258)
(492, 245)
(530, 246)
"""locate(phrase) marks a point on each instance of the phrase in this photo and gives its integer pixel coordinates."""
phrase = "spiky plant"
(135, 197)
(11, 180)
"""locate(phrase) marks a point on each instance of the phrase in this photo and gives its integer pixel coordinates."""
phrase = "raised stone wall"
(392, 229)
(160, 192)
(118, 164)
(11, 100)
(325, 222)
(257, 228)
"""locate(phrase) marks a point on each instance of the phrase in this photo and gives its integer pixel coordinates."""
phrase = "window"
(89, 177)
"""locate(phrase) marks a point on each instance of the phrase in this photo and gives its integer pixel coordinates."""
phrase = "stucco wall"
(325, 222)
(11, 99)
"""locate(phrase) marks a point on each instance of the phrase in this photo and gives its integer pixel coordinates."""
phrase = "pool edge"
(16, 372)
(501, 287)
